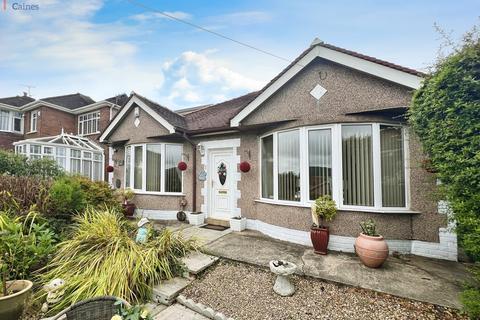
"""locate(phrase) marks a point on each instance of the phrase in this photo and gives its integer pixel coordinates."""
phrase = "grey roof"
(70, 101)
(17, 101)
(172, 117)
(119, 100)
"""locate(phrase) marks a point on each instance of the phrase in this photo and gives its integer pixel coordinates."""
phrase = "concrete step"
(218, 222)
(167, 291)
(197, 262)
(179, 312)
(154, 308)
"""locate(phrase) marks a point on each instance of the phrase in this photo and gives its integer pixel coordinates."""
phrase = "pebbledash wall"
(423, 231)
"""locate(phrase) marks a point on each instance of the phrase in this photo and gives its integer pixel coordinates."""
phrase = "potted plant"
(13, 295)
(238, 223)
(128, 207)
(371, 248)
(323, 209)
(196, 218)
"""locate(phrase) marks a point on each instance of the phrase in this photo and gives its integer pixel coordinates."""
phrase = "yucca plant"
(101, 258)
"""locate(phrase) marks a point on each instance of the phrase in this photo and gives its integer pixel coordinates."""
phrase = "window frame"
(33, 120)
(83, 120)
(337, 167)
(11, 117)
(143, 190)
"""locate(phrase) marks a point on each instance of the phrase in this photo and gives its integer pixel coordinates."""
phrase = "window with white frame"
(153, 167)
(11, 121)
(33, 121)
(89, 123)
(362, 166)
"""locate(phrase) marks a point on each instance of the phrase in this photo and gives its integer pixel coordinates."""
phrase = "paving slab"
(167, 291)
(154, 308)
(179, 312)
(202, 235)
(196, 262)
(429, 280)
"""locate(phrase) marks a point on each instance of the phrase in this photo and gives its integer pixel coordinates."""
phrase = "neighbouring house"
(333, 122)
(63, 128)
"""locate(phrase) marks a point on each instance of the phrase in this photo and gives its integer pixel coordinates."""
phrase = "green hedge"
(18, 165)
(445, 114)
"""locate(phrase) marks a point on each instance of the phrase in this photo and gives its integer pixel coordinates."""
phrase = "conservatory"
(75, 154)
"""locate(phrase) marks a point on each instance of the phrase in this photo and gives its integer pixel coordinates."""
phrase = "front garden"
(68, 236)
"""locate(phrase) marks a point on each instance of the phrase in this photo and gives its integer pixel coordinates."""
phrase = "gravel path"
(245, 292)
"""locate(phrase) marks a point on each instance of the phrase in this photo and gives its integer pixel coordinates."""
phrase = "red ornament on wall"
(182, 166)
(244, 166)
(109, 168)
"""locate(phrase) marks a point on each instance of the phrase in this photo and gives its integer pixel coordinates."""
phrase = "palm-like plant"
(102, 258)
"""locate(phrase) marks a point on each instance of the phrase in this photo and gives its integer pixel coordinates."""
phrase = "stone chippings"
(245, 292)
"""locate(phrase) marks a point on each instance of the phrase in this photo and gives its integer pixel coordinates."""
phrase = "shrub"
(324, 208)
(19, 194)
(445, 114)
(25, 244)
(66, 197)
(98, 193)
(18, 165)
(369, 228)
(101, 248)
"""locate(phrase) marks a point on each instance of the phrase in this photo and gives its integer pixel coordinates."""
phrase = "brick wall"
(7, 139)
(50, 123)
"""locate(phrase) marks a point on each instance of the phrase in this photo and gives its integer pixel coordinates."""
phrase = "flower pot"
(372, 251)
(129, 209)
(320, 237)
(11, 306)
(238, 224)
(196, 218)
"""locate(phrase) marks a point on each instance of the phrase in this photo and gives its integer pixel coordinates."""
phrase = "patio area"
(428, 280)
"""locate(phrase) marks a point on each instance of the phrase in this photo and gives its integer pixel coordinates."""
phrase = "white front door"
(222, 170)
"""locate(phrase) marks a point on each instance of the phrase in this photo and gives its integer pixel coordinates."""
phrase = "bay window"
(362, 166)
(153, 168)
(11, 121)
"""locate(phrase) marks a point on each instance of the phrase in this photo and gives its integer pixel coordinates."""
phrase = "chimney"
(25, 94)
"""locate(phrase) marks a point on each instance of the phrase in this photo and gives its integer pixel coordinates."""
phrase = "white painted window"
(11, 121)
(152, 168)
(362, 166)
(89, 123)
(33, 121)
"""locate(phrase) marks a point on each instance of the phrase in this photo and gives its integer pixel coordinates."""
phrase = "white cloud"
(198, 78)
(74, 53)
(156, 15)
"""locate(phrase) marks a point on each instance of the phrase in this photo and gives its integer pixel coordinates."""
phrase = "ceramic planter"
(320, 237)
(129, 209)
(238, 224)
(196, 218)
(11, 306)
(372, 251)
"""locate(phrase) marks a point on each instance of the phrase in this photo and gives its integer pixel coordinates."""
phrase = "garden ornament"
(55, 291)
(283, 269)
(142, 233)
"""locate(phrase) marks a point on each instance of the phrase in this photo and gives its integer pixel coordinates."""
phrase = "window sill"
(308, 205)
(30, 132)
(153, 193)
(89, 134)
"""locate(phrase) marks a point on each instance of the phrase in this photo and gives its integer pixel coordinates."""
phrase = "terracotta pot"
(129, 209)
(372, 251)
(11, 306)
(320, 237)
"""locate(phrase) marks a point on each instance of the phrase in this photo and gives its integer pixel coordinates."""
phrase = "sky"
(104, 48)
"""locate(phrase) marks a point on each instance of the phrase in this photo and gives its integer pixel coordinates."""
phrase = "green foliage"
(126, 194)
(136, 312)
(101, 249)
(445, 114)
(66, 197)
(98, 193)
(470, 298)
(18, 165)
(324, 208)
(25, 244)
(369, 228)
(19, 194)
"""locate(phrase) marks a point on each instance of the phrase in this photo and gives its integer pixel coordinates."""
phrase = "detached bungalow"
(333, 122)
